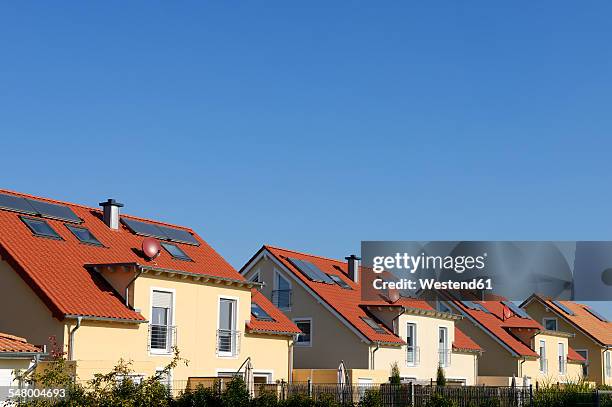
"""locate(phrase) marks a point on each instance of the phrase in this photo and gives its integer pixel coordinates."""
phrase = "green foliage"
(395, 374)
(371, 398)
(438, 400)
(202, 396)
(265, 399)
(298, 400)
(440, 377)
(236, 393)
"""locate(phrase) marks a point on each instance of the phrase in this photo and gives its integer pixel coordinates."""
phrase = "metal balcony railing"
(562, 365)
(162, 338)
(282, 298)
(543, 365)
(444, 357)
(413, 355)
(228, 342)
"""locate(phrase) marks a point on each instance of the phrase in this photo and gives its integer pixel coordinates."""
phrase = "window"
(40, 228)
(608, 364)
(411, 345)
(374, 325)
(305, 325)
(281, 295)
(255, 278)
(132, 377)
(443, 350)
(164, 378)
(176, 252)
(262, 378)
(259, 313)
(442, 307)
(227, 336)
(161, 329)
(543, 360)
(562, 358)
(550, 324)
(585, 365)
(338, 280)
(84, 235)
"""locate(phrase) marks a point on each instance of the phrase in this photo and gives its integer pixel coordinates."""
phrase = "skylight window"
(259, 313)
(338, 280)
(596, 314)
(563, 308)
(40, 228)
(176, 252)
(375, 326)
(84, 235)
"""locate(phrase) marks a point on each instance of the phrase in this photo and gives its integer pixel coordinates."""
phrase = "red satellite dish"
(151, 248)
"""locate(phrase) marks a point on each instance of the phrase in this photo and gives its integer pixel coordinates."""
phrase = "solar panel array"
(475, 306)
(372, 324)
(311, 271)
(38, 208)
(160, 232)
(564, 308)
(596, 314)
(518, 311)
(259, 313)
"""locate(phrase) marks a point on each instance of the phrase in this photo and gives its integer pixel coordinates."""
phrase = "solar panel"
(518, 311)
(372, 324)
(160, 232)
(311, 271)
(54, 211)
(564, 308)
(596, 314)
(336, 279)
(259, 313)
(17, 204)
(475, 306)
(179, 235)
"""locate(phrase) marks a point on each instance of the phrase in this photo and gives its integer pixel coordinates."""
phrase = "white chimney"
(111, 213)
(353, 267)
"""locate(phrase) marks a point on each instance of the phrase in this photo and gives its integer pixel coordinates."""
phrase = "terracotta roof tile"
(15, 344)
(464, 342)
(281, 323)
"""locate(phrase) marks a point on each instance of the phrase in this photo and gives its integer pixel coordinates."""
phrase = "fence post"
(411, 394)
(531, 394)
(309, 387)
(597, 400)
(282, 392)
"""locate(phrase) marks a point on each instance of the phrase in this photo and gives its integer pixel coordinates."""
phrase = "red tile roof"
(464, 342)
(15, 344)
(281, 323)
(348, 303)
(601, 331)
(55, 268)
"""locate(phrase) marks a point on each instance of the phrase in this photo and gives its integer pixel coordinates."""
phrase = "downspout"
(373, 356)
(397, 318)
(127, 288)
(521, 366)
(72, 331)
(291, 343)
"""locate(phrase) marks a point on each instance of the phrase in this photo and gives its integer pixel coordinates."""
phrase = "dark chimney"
(111, 213)
(353, 267)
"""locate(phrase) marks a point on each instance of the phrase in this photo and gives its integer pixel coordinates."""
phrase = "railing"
(543, 365)
(282, 298)
(161, 338)
(608, 370)
(413, 355)
(562, 365)
(228, 342)
(444, 357)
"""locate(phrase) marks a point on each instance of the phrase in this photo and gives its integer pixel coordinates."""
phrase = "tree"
(395, 374)
(440, 377)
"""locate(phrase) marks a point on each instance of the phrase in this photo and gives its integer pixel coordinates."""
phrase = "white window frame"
(268, 374)
(278, 274)
(543, 359)
(414, 345)
(171, 318)
(545, 319)
(256, 276)
(232, 354)
(586, 359)
(608, 363)
(562, 358)
(304, 344)
(168, 379)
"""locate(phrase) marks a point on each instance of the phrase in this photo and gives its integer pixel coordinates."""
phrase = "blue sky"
(315, 126)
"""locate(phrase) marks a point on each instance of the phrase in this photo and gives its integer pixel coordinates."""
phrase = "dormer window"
(40, 228)
(176, 252)
(84, 235)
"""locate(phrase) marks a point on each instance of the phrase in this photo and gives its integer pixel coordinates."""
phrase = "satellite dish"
(151, 248)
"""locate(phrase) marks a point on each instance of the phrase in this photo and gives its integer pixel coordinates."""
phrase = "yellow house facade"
(322, 296)
(104, 287)
(591, 333)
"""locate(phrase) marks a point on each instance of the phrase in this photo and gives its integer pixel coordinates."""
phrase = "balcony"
(228, 342)
(543, 365)
(562, 365)
(413, 355)
(161, 338)
(282, 298)
(444, 357)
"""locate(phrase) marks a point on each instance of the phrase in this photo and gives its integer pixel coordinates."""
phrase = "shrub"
(371, 398)
(236, 393)
(395, 374)
(438, 400)
(298, 400)
(440, 377)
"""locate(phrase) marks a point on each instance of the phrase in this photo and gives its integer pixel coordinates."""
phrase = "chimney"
(111, 213)
(353, 267)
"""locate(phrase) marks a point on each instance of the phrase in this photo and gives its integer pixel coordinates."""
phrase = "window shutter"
(162, 299)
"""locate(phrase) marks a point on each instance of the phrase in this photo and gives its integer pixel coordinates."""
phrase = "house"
(16, 354)
(516, 346)
(323, 298)
(592, 333)
(108, 286)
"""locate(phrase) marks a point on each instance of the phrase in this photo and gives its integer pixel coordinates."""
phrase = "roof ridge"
(302, 253)
(55, 201)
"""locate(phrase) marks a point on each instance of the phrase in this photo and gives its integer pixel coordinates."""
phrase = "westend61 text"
(433, 284)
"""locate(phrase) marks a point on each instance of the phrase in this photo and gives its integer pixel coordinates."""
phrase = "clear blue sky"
(316, 125)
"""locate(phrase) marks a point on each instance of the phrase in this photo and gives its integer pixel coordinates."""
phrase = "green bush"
(440, 377)
(438, 400)
(236, 393)
(371, 398)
